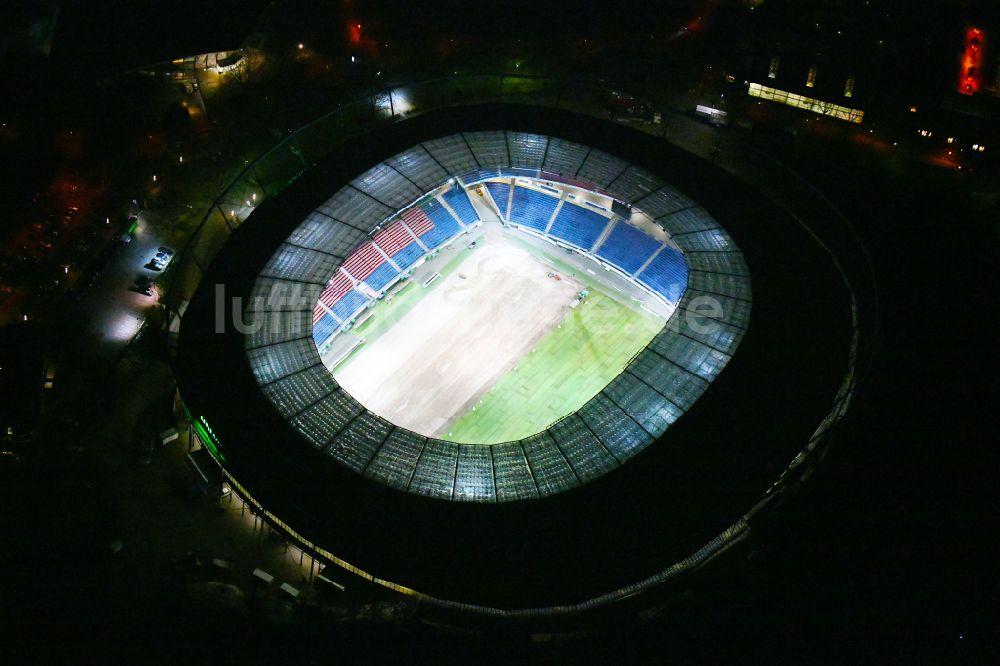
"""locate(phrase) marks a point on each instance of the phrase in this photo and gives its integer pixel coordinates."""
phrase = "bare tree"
(244, 72)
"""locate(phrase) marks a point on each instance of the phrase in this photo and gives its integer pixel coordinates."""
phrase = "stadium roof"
(694, 484)
(637, 407)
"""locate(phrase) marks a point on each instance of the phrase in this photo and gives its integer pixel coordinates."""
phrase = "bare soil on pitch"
(466, 334)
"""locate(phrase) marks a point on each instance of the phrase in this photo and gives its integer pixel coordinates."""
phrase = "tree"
(244, 72)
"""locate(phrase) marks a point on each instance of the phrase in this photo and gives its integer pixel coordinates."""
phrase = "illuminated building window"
(849, 87)
(772, 71)
(807, 103)
(811, 77)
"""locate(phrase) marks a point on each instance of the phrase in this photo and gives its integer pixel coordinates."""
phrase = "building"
(824, 60)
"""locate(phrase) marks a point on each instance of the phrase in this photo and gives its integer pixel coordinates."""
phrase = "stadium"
(511, 288)
(488, 290)
(504, 356)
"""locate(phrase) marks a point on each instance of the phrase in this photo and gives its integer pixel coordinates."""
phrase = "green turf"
(570, 364)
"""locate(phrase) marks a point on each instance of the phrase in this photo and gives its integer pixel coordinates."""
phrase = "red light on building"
(355, 32)
(970, 75)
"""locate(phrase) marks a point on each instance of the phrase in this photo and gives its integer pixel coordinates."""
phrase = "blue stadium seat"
(627, 248)
(458, 199)
(381, 276)
(501, 195)
(578, 226)
(345, 308)
(666, 274)
(324, 329)
(445, 225)
(408, 255)
(532, 209)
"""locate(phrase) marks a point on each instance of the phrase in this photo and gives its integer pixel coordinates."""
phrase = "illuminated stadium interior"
(474, 331)
(504, 288)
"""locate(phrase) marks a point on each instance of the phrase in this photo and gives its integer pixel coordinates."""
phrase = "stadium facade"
(358, 492)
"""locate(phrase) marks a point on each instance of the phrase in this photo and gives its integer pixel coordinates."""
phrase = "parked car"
(143, 284)
(160, 260)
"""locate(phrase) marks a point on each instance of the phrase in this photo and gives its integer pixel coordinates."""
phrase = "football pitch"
(492, 351)
(581, 355)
